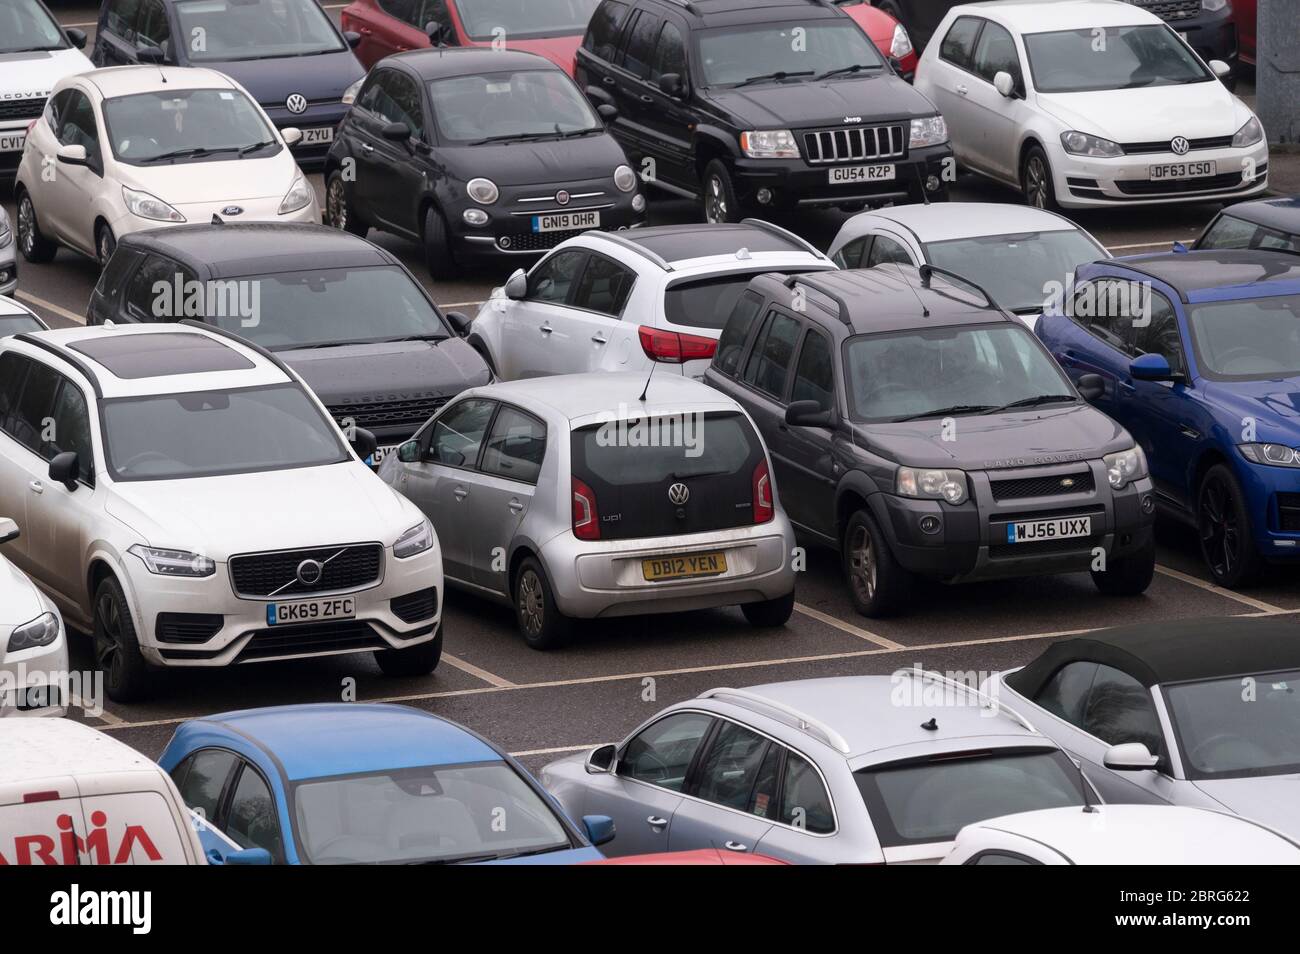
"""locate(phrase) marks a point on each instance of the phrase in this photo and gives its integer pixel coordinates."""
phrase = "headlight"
(1248, 134)
(298, 196)
(769, 144)
(1125, 466)
(416, 540)
(474, 217)
(1279, 455)
(625, 178)
(901, 44)
(1081, 144)
(147, 206)
(949, 485)
(928, 132)
(174, 562)
(483, 191)
(6, 235)
(1212, 5)
(350, 94)
(41, 631)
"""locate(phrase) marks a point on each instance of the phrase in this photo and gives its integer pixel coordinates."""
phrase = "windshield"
(206, 433)
(919, 802)
(801, 49)
(17, 324)
(1076, 61)
(528, 104)
(1017, 270)
(944, 370)
(481, 19)
(1250, 339)
(339, 306)
(1228, 231)
(436, 815)
(256, 29)
(186, 125)
(1232, 728)
(26, 27)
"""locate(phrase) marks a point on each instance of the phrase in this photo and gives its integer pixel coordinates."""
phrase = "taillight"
(586, 524)
(763, 509)
(672, 347)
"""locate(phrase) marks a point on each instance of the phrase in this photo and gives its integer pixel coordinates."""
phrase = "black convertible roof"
(1174, 651)
(1282, 213)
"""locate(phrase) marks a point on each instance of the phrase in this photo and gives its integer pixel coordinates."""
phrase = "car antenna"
(925, 312)
(644, 390)
(1088, 807)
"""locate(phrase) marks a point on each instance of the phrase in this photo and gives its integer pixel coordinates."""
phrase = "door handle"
(1126, 385)
(654, 821)
(36, 487)
(962, 90)
(608, 80)
(366, 31)
(598, 338)
(735, 846)
(367, 147)
(1188, 431)
(460, 493)
(546, 329)
(515, 506)
(647, 98)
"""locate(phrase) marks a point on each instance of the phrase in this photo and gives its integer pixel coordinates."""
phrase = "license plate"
(12, 142)
(316, 135)
(1062, 528)
(1183, 170)
(842, 174)
(565, 221)
(380, 453)
(310, 611)
(684, 566)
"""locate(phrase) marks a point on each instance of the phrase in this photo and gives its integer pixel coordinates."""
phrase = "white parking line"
(50, 306)
(77, 702)
(476, 672)
(1268, 608)
(846, 627)
(556, 751)
(1120, 248)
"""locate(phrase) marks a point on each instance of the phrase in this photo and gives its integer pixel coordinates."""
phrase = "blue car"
(1261, 223)
(1200, 356)
(288, 54)
(368, 784)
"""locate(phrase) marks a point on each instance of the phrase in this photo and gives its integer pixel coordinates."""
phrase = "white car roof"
(603, 395)
(128, 80)
(1045, 16)
(942, 221)
(41, 748)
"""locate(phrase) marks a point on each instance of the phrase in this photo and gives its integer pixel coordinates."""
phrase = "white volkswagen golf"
(1083, 103)
(186, 498)
(139, 147)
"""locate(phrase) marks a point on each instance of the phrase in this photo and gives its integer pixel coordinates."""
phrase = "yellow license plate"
(687, 565)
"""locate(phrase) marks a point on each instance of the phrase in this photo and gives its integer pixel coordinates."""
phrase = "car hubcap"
(862, 565)
(27, 225)
(717, 206)
(1037, 183)
(1220, 534)
(105, 247)
(337, 207)
(109, 633)
(531, 606)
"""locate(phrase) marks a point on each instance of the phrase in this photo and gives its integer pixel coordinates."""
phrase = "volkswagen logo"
(1180, 145)
(562, 197)
(233, 210)
(1067, 482)
(297, 103)
(309, 572)
(679, 493)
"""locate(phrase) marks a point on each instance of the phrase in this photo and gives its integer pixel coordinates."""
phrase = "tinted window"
(1066, 694)
(203, 780)
(1108, 310)
(604, 286)
(708, 303)
(120, 18)
(804, 802)
(958, 46)
(515, 447)
(670, 55)
(404, 10)
(13, 371)
(730, 768)
(1159, 335)
(251, 821)
(458, 433)
(1228, 231)
(641, 44)
(71, 431)
(814, 378)
(885, 250)
(35, 405)
(995, 53)
(77, 123)
(602, 32)
(114, 274)
(732, 343)
(850, 256)
(152, 29)
(662, 754)
(1120, 710)
(396, 99)
(552, 279)
(769, 362)
(763, 799)
(143, 301)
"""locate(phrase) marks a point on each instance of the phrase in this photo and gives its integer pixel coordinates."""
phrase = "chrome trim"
(572, 196)
(377, 581)
(993, 702)
(566, 209)
(857, 144)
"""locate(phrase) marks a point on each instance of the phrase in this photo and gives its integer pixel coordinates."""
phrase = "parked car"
(1022, 255)
(185, 498)
(626, 302)
(1089, 103)
(1201, 713)
(550, 28)
(33, 646)
(1272, 224)
(785, 105)
(1245, 17)
(35, 53)
(287, 54)
(476, 154)
(702, 856)
(357, 783)
(890, 36)
(344, 314)
(1199, 352)
(1121, 835)
(922, 431)
(16, 318)
(8, 256)
(848, 770)
(143, 147)
(572, 497)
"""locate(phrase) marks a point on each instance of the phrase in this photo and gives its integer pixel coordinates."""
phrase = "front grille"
(410, 413)
(413, 607)
(1172, 10)
(857, 144)
(535, 241)
(187, 627)
(1288, 513)
(1081, 545)
(344, 567)
(311, 638)
(1042, 486)
(21, 108)
(1227, 180)
(1137, 148)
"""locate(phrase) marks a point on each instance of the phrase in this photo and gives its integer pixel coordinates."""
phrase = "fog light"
(1148, 503)
(638, 203)
(4, 278)
(504, 241)
(932, 183)
(474, 217)
(764, 196)
(930, 524)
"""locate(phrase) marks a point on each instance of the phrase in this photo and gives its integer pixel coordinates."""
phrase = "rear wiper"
(699, 473)
(953, 409)
(778, 75)
(1036, 400)
(851, 68)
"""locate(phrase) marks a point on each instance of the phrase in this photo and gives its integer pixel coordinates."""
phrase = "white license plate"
(380, 453)
(842, 174)
(1062, 528)
(12, 142)
(311, 611)
(316, 135)
(564, 221)
(1183, 170)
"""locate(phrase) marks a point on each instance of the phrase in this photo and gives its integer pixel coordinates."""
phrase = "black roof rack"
(928, 270)
(72, 359)
(638, 248)
(776, 230)
(811, 282)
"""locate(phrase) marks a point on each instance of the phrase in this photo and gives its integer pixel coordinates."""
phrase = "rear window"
(707, 303)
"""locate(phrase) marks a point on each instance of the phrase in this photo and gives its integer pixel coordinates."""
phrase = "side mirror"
(291, 135)
(434, 31)
(1219, 68)
(409, 453)
(1090, 386)
(600, 829)
(1004, 84)
(72, 155)
(808, 414)
(248, 856)
(1152, 367)
(150, 54)
(459, 321)
(76, 37)
(8, 530)
(363, 442)
(63, 469)
(1180, 248)
(516, 287)
(670, 84)
(396, 132)
(353, 38)
(607, 112)
(1129, 757)
(600, 760)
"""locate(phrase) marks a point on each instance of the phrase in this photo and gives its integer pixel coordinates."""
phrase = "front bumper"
(36, 683)
(513, 220)
(1273, 502)
(8, 270)
(1082, 182)
(797, 183)
(201, 213)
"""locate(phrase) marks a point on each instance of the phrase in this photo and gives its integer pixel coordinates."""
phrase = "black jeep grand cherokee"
(773, 103)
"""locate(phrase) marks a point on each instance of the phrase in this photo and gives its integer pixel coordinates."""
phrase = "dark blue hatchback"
(1200, 354)
(286, 53)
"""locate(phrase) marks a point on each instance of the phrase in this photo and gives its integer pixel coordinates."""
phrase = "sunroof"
(158, 355)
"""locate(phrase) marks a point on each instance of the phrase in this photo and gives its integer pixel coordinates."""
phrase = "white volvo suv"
(185, 497)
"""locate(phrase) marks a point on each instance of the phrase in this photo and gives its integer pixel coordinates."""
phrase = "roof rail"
(821, 289)
(991, 701)
(65, 355)
(927, 271)
(776, 230)
(802, 721)
(637, 248)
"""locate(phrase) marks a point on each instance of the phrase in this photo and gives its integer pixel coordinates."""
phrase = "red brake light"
(586, 523)
(672, 347)
(763, 508)
(40, 797)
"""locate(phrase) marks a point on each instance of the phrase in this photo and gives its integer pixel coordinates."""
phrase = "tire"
(768, 614)
(1128, 576)
(1036, 180)
(1223, 525)
(339, 213)
(718, 196)
(541, 623)
(416, 661)
(36, 248)
(438, 257)
(105, 244)
(878, 586)
(127, 676)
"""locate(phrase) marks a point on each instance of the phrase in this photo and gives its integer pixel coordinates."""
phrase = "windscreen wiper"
(194, 153)
(511, 137)
(778, 75)
(841, 70)
(952, 409)
(1035, 401)
(253, 147)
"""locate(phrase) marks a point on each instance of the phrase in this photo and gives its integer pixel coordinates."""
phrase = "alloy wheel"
(108, 636)
(336, 205)
(1221, 537)
(716, 210)
(27, 225)
(106, 246)
(1036, 182)
(862, 565)
(531, 602)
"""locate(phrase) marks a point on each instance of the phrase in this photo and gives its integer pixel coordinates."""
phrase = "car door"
(115, 38)
(631, 74)
(1095, 338)
(951, 83)
(250, 816)
(540, 335)
(666, 117)
(27, 426)
(804, 814)
(71, 200)
(803, 457)
(596, 311)
(765, 376)
(396, 195)
(388, 27)
(600, 46)
(503, 491)
(13, 474)
(733, 791)
(998, 118)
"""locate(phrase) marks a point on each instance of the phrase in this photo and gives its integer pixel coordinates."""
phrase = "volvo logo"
(1180, 145)
(679, 493)
(309, 572)
(562, 197)
(233, 210)
(296, 103)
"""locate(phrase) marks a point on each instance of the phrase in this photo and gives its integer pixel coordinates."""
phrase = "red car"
(888, 34)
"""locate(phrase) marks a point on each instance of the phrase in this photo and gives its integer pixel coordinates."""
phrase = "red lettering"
(40, 846)
(134, 834)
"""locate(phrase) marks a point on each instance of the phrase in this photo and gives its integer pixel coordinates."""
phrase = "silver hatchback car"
(597, 495)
